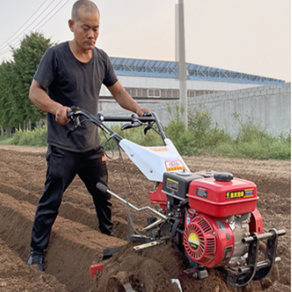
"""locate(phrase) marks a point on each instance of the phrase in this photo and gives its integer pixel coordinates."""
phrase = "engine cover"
(208, 241)
(222, 198)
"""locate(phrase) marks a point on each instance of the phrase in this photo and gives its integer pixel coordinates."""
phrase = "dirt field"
(76, 244)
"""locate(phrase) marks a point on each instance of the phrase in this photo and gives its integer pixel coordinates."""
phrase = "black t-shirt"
(71, 82)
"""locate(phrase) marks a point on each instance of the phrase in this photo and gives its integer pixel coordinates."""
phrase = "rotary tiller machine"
(211, 216)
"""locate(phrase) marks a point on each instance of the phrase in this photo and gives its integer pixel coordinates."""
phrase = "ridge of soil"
(76, 242)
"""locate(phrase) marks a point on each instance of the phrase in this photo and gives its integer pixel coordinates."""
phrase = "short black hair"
(89, 6)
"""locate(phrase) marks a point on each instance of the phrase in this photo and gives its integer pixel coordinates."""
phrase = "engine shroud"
(219, 198)
(208, 241)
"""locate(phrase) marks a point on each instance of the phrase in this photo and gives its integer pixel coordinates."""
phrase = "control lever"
(134, 123)
(149, 124)
(77, 123)
(149, 127)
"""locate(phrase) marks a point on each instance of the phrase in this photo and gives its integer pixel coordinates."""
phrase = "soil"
(76, 242)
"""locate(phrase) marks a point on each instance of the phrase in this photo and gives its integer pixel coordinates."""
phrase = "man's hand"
(140, 111)
(61, 115)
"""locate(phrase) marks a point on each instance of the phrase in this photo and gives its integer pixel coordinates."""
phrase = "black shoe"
(36, 257)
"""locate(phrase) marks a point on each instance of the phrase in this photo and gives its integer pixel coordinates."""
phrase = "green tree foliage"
(7, 110)
(27, 58)
(15, 80)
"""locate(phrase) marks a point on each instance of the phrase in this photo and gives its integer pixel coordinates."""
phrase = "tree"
(27, 58)
(7, 110)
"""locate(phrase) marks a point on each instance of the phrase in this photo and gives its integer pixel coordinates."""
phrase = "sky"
(248, 36)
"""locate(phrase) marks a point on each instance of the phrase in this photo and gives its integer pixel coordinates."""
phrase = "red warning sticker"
(174, 165)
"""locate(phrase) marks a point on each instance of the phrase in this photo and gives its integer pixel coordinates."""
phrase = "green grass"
(251, 141)
(5, 141)
(201, 138)
(37, 137)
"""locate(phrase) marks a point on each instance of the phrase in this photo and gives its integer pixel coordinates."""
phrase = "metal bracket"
(140, 238)
(242, 278)
(255, 270)
(149, 244)
(270, 256)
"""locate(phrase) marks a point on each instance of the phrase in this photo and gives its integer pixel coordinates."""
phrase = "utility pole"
(182, 63)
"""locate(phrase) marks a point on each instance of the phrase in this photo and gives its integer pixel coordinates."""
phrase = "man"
(73, 73)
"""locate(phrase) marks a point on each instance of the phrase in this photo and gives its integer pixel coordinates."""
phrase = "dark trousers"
(62, 167)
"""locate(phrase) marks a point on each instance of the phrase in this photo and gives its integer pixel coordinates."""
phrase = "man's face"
(86, 30)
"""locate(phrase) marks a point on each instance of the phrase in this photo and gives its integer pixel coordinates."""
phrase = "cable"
(7, 50)
(39, 23)
(129, 215)
(55, 12)
(4, 43)
(124, 170)
(7, 47)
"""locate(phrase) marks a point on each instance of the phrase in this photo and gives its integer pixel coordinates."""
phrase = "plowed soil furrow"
(15, 276)
(76, 242)
(72, 211)
(68, 239)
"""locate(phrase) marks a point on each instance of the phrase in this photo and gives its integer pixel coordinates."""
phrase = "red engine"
(218, 211)
(223, 207)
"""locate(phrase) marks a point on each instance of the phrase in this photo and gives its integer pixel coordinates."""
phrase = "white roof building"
(150, 79)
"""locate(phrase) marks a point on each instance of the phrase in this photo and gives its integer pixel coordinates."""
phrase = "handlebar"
(148, 119)
(143, 119)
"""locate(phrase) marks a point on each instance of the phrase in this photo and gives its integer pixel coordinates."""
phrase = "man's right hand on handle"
(61, 115)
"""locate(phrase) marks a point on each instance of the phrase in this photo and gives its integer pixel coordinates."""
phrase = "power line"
(22, 28)
(54, 13)
(5, 43)
(16, 40)
(38, 25)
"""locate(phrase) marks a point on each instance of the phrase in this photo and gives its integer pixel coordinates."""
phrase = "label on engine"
(194, 241)
(239, 194)
(172, 184)
(202, 192)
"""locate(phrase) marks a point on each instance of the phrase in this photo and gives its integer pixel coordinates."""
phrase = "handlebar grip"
(70, 114)
(147, 114)
(73, 111)
(102, 187)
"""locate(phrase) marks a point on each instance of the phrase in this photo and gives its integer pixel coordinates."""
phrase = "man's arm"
(40, 98)
(125, 100)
